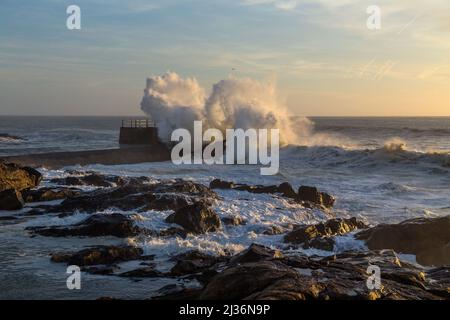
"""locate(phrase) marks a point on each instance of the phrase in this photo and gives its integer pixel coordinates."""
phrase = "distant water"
(382, 170)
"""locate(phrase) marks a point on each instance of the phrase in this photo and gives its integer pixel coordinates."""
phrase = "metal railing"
(137, 123)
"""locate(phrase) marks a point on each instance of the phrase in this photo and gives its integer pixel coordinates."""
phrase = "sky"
(323, 57)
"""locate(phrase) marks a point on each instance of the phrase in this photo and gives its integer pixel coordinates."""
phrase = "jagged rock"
(333, 227)
(313, 195)
(427, 238)
(219, 184)
(176, 292)
(99, 255)
(274, 230)
(49, 194)
(91, 179)
(339, 277)
(234, 220)
(141, 197)
(173, 231)
(97, 225)
(192, 262)
(197, 218)
(101, 270)
(255, 253)
(145, 272)
(326, 244)
(11, 200)
(13, 176)
(286, 189)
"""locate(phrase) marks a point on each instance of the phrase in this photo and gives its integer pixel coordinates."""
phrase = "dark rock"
(91, 179)
(99, 255)
(427, 238)
(13, 176)
(339, 277)
(176, 292)
(286, 189)
(326, 244)
(101, 270)
(197, 218)
(160, 196)
(97, 225)
(313, 195)
(330, 228)
(145, 272)
(11, 200)
(256, 253)
(234, 220)
(219, 184)
(192, 262)
(275, 230)
(49, 194)
(171, 232)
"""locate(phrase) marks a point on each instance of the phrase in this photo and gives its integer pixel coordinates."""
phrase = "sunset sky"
(323, 57)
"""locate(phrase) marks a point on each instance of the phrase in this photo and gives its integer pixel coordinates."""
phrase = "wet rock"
(11, 200)
(427, 238)
(101, 270)
(91, 179)
(145, 272)
(97, 225)
(192, 262)
(219, 184)
(256, 253)
(176, 292)
(197, 218)
(339, 277)
(49, 194)
(326, 244)
(99, 255)
(172, 232)
(313, 195)
(234, 220)
(333, 227)
(286, 189)
(13, 176)
(160, 196)
(275, 230)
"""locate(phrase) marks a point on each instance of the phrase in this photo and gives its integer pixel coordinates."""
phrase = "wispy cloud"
(286, 5)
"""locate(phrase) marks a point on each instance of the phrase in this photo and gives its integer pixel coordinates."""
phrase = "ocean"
(382, 170)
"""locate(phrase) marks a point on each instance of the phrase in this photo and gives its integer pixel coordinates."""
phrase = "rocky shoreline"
(258, 272)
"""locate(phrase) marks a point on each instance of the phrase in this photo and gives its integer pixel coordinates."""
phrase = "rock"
(145, 272)
(97, 225)
(11, 200)
(99, 255)
(330, 228)
(197, 218)
(13, 176)
(234, 220)
(173, 292)
(141, 197)
(340, 277)
(219, 184)
(326, 244)
(173, 231)
(49, 194)
(192, 262)
(256, 253)
(427, 238)
(286, 189)
(312, 194)
(275, 230)
(91, 179)
(101, 270)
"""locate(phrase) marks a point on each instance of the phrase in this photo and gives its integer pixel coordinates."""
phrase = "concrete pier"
(128, 155)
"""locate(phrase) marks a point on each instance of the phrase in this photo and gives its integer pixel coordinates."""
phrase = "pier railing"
(137, 123)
